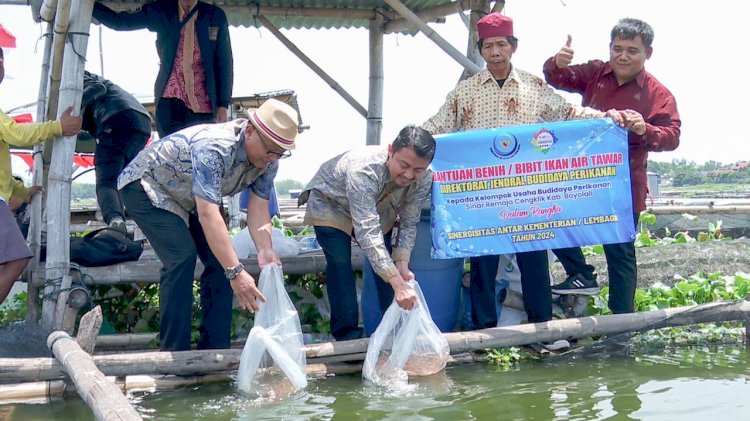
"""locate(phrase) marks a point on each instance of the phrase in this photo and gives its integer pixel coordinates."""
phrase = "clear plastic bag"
(406, 343)
(275, 341)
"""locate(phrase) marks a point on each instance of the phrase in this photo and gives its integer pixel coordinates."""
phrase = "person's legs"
(216, 295)
(581, 278)
(175, 247)
(14, 253)
(108, 163)
(482, 292)
(623, 275)
(9, 273)
(173, 115)
(121, 137)
(342, 293)
(574, 262)
(537, 297)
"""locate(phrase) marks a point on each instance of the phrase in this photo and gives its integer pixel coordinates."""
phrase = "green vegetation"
(699, 288)
(505, 358)
(688, 173)
(283, 187)
(646, 238)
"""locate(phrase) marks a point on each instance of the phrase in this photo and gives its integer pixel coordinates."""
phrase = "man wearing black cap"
(503, 95)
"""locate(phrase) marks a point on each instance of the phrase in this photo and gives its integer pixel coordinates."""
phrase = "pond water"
(686, 383)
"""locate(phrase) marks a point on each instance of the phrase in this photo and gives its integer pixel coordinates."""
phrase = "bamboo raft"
(34, 379)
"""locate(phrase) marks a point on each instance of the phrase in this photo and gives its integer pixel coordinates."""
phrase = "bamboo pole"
(61, 25)
(61, 302)
(207, 361)
(58, 193)
(479, 8)
(150, 270)
(125, 341)
(399, 24)
(375, 103)
(404, 11)
(35, 223)
(311, 64)
(103, 397)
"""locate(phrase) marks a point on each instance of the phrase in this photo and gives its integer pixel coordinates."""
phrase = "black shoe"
(577, 284)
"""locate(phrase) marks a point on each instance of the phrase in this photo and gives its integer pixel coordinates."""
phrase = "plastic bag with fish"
(406, 343)
(274, 346)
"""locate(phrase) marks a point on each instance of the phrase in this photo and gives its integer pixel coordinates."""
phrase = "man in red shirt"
(650, 114)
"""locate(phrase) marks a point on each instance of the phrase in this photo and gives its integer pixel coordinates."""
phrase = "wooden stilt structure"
(375, 103)
(59, 180)
(35, 222)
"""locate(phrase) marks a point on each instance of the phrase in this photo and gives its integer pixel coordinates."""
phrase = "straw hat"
(277, 122)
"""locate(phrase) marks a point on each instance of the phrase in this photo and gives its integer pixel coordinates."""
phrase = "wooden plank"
(88, 329)
(148, 270)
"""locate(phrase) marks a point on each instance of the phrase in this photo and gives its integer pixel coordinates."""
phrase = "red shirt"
(597, 83)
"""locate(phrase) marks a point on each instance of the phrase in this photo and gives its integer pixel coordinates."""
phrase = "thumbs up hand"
(565, 56)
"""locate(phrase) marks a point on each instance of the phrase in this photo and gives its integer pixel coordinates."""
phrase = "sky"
(693, 57)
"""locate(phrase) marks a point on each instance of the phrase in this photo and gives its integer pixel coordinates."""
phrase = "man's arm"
(16, 134)
(661, 130)
(123, 21)
(447, 119)
(224, 68)
(362, 191)
(220, 244)
(260, 227)
(570, 78)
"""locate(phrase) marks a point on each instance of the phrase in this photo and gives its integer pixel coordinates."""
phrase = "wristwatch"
(234, 271)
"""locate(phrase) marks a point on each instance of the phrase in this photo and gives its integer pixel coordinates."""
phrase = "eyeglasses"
(271, 153)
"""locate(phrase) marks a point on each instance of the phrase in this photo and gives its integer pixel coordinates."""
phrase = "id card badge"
(395, 233)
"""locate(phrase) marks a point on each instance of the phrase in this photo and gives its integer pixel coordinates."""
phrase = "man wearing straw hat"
(173, 190)
(14, 253)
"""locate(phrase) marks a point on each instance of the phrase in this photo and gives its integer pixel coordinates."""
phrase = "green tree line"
(689, 173)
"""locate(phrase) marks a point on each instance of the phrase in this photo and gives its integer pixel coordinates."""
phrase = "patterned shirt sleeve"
(362, 188)
(208, 169)
(447, 119)
(263, 184)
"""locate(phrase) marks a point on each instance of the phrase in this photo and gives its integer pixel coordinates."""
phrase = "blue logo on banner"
(505, 146)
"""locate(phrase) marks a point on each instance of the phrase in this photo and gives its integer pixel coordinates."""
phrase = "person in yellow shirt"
(14, 253)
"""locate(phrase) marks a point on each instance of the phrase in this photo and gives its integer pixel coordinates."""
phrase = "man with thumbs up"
(650, 113)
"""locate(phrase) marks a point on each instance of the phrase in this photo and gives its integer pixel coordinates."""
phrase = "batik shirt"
(208, 161)
(480, 103)
(354, 192)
